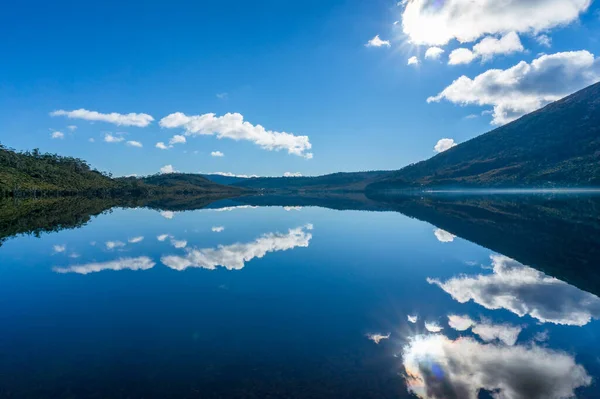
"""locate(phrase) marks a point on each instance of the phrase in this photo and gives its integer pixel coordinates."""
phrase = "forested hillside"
(556, 146)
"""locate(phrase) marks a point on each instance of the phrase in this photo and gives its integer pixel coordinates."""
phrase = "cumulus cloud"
(229, 174)
(161, 146)
(377, 338)
(412, 319)
(413, 61)
(136, 240)
(72, 128)
(460, 323)
(233, 126)
(167, 169)
(435, 23)
(443, 145)
(443, 235)
(434, 53)
(377, 42)
(133, 143)
(217, 154)
(162, 237)
(132, 119)
(59, 248)
(524, 87)
(167, 214)
(177, 139)
(140, 263)
(490, 46)
(433, 327)
(234, 257)
(506, 333)
(57, 135)
(178, 243)
(439, 368)
(487, 48)
(109, 138)
(114, 244)
(524, 291)
(461, 56)
(218, 229)
(292, 174)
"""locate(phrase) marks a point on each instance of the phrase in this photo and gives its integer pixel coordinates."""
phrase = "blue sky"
(304, 68)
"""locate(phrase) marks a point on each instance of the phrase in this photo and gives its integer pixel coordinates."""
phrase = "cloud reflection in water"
(234, 257)
(524, 291)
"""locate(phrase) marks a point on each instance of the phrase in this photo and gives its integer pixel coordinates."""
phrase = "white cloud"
(487, 48)
(487, 331)
(377, 42)
(167, 169)
(461, 56)
(59, 248)
(524, 291)
(74, 255)
(444, 145)
(234, 257)
(233, 126)
(222, 96)
(292, 174)
(133, 143)
(438, 22)
(114, 244)
(228, 174)
(140, 263)
(178, 243)
(524, 87)
(217, 154)
(413, 61)
(109, 138)
(162, 237)
(502, 332)
(57, 135)
(218, 229)
(433, 327)
(160, 145)
(92, 140)
(167, 214)
(544, 40)
(460, 323)
(177, 139)
(132, 119)
(464, 367)
(434, 53)
(292, 208)
(490, 46)
(412, 319)
(136, 240)
(443, 235)
(72, 128)
(377, 338)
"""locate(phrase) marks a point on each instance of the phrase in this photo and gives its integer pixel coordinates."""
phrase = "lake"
(265, 297)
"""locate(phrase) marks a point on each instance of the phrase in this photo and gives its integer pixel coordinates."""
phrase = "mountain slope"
(556, 146)
(355, 181)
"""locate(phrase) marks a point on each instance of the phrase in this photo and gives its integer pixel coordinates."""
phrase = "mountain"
(36, 171)
(342, 181)
(556, 146)
(33, 173)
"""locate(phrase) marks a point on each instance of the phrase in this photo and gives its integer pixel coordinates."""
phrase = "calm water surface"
(291, 302)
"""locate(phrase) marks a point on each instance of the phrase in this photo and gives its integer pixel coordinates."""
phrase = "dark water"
(246, 301)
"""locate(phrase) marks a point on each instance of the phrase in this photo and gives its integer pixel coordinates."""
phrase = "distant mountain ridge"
(555, 146)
